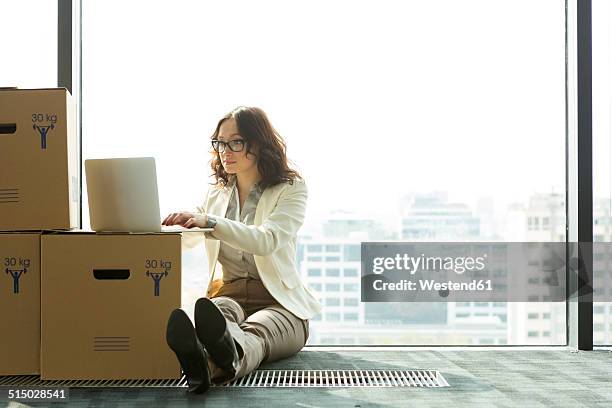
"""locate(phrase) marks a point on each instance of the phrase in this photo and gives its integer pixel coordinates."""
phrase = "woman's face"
(235, 162)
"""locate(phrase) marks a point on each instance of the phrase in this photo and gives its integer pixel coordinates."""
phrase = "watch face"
(211, 222)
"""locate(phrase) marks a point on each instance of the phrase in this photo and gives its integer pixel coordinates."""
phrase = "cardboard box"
(20, 303)
(39, 176)
(105, 303)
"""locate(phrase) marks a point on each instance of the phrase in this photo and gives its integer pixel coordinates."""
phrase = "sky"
(375, 99)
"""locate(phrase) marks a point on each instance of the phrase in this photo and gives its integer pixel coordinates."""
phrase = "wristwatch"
(211, 221)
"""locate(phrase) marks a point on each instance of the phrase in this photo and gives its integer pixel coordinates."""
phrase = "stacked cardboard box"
(39, 184)
(104, 298)
(20, 303)
(105, 302)
(38, 190)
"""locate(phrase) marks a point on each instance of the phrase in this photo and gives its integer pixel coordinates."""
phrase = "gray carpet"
(478, 378)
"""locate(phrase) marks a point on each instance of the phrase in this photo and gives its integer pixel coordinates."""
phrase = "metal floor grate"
(265, 378)
(341, 378)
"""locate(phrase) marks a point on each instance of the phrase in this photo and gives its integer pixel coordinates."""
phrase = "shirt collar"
(232, 181)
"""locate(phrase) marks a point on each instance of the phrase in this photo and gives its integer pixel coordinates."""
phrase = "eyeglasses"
(236, 145)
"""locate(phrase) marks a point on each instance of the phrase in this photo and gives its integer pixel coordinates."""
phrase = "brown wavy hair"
(256, 129)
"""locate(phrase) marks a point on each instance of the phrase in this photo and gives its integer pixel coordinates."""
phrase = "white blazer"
(271, 239)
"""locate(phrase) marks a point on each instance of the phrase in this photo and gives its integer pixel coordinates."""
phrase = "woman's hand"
(186, 219)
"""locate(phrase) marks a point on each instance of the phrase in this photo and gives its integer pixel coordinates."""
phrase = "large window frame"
(579, 163)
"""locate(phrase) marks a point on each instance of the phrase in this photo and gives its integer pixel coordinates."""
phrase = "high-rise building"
(602, 270)
(331, 263)
(537, 321)
(430, 217)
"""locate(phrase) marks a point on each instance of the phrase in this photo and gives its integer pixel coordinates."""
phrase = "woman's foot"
(211, 329)
(181, 338)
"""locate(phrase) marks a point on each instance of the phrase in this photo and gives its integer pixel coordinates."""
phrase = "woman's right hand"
(179, 218)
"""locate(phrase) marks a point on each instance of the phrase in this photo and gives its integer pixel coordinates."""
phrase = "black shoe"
(182, 339)
(211, 329)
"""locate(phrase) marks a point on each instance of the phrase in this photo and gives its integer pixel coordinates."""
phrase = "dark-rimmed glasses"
(235, 145)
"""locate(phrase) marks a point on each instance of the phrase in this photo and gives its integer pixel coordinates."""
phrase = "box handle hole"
(8, 128)
(111, 274)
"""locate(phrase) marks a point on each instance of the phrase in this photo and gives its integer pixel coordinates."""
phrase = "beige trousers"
(263, 329)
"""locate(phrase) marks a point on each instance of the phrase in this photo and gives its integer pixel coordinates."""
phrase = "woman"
(258, 310)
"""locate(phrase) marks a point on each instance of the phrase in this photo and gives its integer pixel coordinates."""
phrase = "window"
(351, 302)
(502, 316)
(332, 302)
(350, 316)
(602, 174)
(361, 75)
(332, 272)
(30, 57)
(314, 272)
(351, 272)
(532, 316)
(332, 287)
(352, 253)
(315, 286)
(351, 287)
(532, 334)
(332, 317)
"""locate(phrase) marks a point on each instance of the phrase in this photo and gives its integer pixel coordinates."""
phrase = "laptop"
(123, 196)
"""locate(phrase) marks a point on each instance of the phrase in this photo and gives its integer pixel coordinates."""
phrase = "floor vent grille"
(265, 378)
